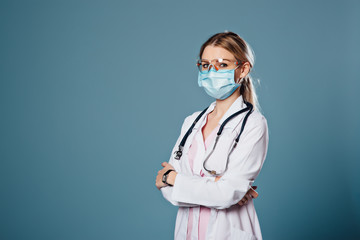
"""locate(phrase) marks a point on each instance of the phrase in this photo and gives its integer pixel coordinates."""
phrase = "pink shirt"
(204, 214)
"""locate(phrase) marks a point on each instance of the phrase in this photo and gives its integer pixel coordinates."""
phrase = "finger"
(243, 201)
(249, 197)
(254, 194)
(164, 164)
(254, 187)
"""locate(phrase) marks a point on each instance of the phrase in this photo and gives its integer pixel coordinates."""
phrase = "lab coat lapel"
(194, 136)
(200, 151)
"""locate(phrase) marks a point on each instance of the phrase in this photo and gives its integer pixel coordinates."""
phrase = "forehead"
(212, 52)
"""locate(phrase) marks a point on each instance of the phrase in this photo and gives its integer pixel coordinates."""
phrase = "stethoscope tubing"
(182, 143)
(249, 109)
(178, 153)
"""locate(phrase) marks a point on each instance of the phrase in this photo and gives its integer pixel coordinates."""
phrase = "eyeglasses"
(218, 64)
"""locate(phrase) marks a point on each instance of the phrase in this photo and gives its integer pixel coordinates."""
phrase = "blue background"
(93, 95)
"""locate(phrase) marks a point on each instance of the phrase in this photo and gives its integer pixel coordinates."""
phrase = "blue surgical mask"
(218, 84)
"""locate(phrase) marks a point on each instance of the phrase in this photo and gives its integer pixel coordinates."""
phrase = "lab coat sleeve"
(167, 190)
(244, 166)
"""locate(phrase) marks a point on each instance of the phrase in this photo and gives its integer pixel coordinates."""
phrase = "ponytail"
(247, 91)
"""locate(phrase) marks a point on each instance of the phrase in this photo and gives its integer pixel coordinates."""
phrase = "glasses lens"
(203, 66)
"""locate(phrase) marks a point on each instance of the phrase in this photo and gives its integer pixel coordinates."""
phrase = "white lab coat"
(228, 220)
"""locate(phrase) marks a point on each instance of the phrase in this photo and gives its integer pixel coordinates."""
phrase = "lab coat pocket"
(237, 233)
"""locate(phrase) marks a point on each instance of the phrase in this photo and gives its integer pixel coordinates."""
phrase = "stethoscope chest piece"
(213, 172)
(178, 153)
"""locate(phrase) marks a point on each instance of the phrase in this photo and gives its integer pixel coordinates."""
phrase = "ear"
(242, 71)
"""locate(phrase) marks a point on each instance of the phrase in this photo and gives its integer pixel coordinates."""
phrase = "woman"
(210, 178)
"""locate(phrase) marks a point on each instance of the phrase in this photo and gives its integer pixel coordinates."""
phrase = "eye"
(223, 65)
(205, 65)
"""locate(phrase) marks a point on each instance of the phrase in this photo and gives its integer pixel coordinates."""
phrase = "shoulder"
(189, 120)
(257, 122)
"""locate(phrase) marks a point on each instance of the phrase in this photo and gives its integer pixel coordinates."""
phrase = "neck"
(223, 105)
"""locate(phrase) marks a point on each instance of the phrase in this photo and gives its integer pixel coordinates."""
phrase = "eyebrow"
(216, 58)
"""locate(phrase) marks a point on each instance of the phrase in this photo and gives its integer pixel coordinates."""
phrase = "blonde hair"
(242, 52)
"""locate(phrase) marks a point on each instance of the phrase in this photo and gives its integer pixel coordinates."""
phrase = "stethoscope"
(249, 108)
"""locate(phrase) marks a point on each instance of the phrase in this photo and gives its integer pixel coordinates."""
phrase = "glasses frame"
(198, 64)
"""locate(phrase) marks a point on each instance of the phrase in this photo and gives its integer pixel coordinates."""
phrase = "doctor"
(220, 150)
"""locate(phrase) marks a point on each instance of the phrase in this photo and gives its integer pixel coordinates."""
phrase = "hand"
(171, 176)
(250, 194)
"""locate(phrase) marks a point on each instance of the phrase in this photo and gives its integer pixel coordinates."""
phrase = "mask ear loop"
(241, 80)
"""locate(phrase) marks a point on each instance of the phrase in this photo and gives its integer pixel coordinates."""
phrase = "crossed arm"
(234, 187)
(251, 193)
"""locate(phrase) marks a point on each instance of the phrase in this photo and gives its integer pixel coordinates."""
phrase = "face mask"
(218, 84)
